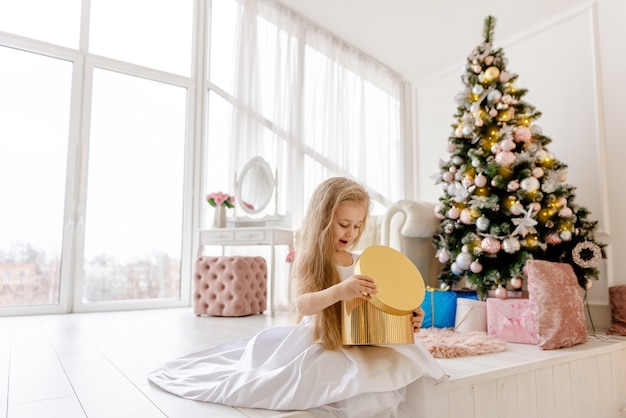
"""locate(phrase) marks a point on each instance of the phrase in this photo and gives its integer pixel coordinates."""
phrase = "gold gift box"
(386, 318)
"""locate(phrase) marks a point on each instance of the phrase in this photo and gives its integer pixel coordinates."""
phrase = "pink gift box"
(511, 320)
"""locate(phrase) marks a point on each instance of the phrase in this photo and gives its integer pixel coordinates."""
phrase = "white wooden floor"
(95, 365)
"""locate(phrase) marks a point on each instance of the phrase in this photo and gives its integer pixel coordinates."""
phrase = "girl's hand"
(357, 286)
(418, 318)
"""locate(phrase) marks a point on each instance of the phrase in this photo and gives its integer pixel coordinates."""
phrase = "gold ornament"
(491, 73)
(530, 240)
(545, 215)
(565, 225)
(508, 202)
(482, 191)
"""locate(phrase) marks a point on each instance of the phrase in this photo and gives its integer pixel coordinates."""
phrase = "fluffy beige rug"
(446, 343)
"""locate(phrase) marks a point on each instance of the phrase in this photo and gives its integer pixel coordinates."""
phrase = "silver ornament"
(511, 245)
(482, 223)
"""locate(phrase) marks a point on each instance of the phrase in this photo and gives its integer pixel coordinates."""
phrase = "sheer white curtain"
(351, 116)
(312, 106)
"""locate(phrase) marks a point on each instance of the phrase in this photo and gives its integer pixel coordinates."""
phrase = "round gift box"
(386, 318)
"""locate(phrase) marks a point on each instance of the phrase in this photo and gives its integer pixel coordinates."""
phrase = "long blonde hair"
(314, 264)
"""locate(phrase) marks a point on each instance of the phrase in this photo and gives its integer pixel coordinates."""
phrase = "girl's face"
(347, 222)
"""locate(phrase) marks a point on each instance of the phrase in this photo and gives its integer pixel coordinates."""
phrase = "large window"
(118, 116)
(96, 118)
(34, 116)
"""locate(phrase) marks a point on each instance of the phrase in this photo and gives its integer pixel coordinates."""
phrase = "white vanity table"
(261, 235)
(255, 189)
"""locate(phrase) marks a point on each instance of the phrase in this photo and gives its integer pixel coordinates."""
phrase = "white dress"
(280, 368)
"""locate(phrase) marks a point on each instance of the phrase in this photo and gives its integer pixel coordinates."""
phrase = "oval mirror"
(255, 186)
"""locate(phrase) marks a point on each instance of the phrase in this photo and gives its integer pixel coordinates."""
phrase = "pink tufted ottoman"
(230, 286)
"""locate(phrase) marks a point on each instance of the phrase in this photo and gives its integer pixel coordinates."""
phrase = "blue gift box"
(439, 308)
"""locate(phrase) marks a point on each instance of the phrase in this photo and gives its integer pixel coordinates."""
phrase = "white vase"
(219, 217)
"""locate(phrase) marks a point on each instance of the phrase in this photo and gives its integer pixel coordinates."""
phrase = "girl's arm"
(354, 287)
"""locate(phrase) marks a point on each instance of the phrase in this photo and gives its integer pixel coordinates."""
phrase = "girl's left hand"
(418, 318)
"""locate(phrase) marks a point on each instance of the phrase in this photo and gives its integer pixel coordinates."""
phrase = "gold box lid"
(401, 288)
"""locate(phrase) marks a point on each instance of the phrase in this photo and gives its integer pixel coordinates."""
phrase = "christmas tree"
(505, 198)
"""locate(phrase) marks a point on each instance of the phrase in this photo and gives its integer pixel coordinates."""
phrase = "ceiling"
(419, 38)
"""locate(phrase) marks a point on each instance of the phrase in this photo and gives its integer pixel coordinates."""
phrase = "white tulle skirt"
(281, 369)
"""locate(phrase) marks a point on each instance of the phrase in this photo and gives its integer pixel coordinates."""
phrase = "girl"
(305, 367)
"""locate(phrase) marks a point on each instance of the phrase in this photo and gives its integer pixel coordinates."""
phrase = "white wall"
(574, 67)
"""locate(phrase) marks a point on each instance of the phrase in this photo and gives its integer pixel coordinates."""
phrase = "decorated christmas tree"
(505, 198)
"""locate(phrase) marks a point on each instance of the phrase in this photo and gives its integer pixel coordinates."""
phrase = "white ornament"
(444, 256)
(530, 184)
(494, 96)
(478, 89)
(566, 235)
(456, 269)
(463, 260)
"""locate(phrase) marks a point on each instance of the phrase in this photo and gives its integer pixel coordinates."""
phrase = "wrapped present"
(466, 293)
(511, 320)
(471, 315)
(439, 308)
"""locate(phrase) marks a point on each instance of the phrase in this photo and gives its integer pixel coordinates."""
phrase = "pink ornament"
(507, 145)
(467, 182)
(490, 245)
(495, 148)
(512, 186)
(448, 177)
(454, 213)
(466, 216)
(517, 209)
(538, 172)
(493, 113)
(443, 256)
(451, 147)
(505, 158)
(516, 283)
(501, 292)
(553, 239)
(504, 77)
(566, 212)
(476, 267)
(480, 180)
(522, 134)
(438, 209)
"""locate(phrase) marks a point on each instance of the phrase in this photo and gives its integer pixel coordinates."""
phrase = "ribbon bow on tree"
(525, 225)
